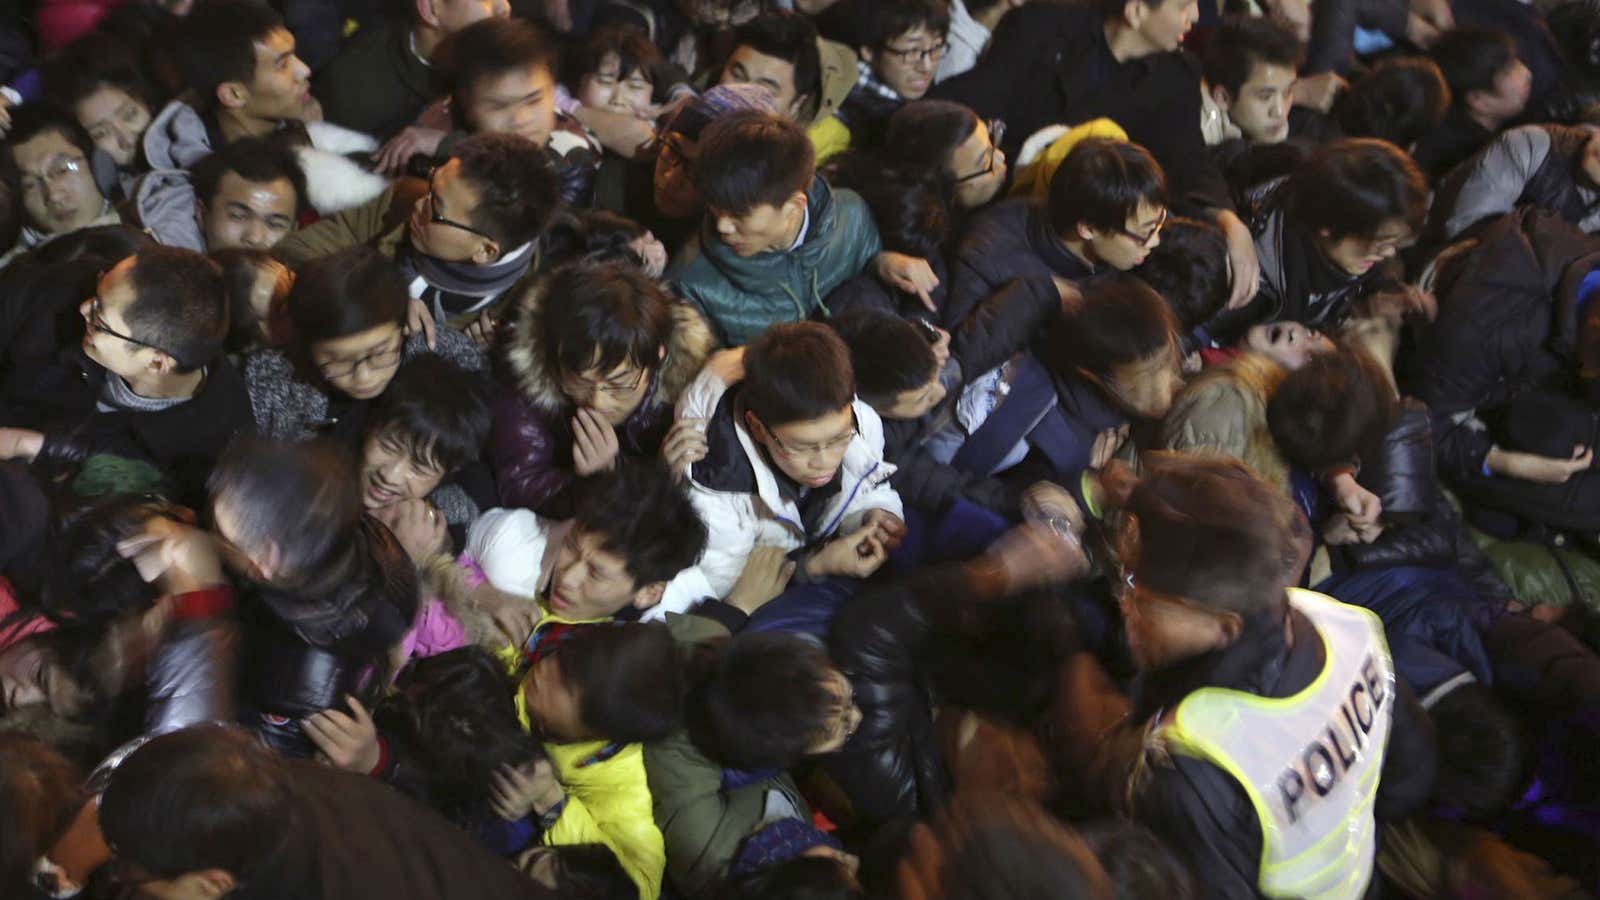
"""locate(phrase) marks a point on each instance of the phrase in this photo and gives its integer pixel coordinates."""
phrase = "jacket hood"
(758, 273)
(176, 138)
(1204, 414)
(688, 346)
(838, 76)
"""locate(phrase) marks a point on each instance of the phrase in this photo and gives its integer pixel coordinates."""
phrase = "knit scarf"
(456, 288)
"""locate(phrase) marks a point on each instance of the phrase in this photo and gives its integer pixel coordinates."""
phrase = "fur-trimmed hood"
(691, 342)
(1224, 410)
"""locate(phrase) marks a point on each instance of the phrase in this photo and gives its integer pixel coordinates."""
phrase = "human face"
(32, 675)
(1145, 388)
(809, 452)
(591, 582)
(761, 230)
(107, 339)
(609, 88)
(1357, 254)
(252, 214)
(554, 708)
(281, 88)
(1165, 26)
(115, 121)
(58, 190)
(454, 15)
(675, 193)
(519, 101)
(1289, 344)
(771, 74)
(915, 402)
(390, 472)
(1126, 248)
(614, 394)
(362, 364)
(1512, 86)
(907, 61)
(847, 716)
(1261, 110)
(978, 166)
(440, 224)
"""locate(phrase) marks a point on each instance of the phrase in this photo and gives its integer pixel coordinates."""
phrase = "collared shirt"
(805, 226)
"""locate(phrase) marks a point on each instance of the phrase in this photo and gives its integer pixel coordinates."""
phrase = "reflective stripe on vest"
(1309, 763)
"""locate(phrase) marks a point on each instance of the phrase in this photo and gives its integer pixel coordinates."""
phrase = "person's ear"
(661, 355)
(1087, 232)
(649, 595)
(1221, 95)
(1229, 627)
(758, 431)
(233, 94)
(426, 14)
(796, 204)
(200, 214)
(486, 252)
(1474, 101)
(271, 562)
(799, 105)
(1134, 13)
(161, 363)
(867, 55)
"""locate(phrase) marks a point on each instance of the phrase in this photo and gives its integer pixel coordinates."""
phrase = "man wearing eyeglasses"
(50, 155)
(900, 45)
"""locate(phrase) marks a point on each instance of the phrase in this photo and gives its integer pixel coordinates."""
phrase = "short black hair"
(589, 872)
(913, 217)
(1121, 320)
(634, 49)
(1353, 186)
(1483, 753)
(753, 159)
(179, 305)
(1331, 410)
(94, 61)
(88, 582)
(881, 21)
(305, 497)
(518, 188)
(763, 701)
(792, 38)
(591, 236)
(1189, 269)
(458, 710)
(1140, 864)
(33, 119)
(628, 678)
(642, 514)
(889, 354)
(240, 268)
(259, 160)
(346, 293)
(1101, 184)
(1471, 58)
(1243, 42)
(1400, 100)
(600, 316)
(436, 411)
(796, 372)
(800, 878)
(216, 44)
(488, 48)
(206, 797)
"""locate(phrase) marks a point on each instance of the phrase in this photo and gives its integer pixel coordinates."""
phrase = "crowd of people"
(724, 449)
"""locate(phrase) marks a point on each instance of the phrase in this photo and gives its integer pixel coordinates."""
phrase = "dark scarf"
(457, 288)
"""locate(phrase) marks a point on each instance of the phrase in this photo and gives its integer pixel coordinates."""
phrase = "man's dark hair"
(881, 21)
(598, 316)
(1140, 864)
(304, 497)
(178, 305)
(216, 44)
(436, 411)
(1121, 320)
(518, 189)
(796, 372)
(914, 217)
(644, 516)
(590, 236)
(1101, 184)
(634, 49)
(89, 583)
(346, 293)
(485, 49)
(1471, 58)
(1400, 101)
(751, 159)
(1353, 186)
(206, 797)
(628, 678)
(763, 701)
(589, 872)
(799, 878)
(1189, 269)
(792, 38)
(40, 796)
(33, 119)
(259, 160)
(889, 354)
(92, 62)
(1241, 43)
(458, 711)
(1482, 752)
(1332, 409)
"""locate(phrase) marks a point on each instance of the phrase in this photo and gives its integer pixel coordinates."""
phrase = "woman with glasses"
(596, 359)
(347, 313)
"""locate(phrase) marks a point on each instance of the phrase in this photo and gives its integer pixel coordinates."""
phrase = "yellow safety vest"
(1309, 763)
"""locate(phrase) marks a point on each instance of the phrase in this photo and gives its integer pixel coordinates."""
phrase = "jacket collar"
(1043, 242)
(758, 273)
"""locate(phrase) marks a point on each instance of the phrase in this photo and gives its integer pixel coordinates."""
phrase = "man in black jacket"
(1051, 64)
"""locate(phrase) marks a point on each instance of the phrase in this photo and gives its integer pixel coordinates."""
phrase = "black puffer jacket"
(1008, 240)
(1507, 324)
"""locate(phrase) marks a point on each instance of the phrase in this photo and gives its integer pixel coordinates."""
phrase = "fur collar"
(687, 348)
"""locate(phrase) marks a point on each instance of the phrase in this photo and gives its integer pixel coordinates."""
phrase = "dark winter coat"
(1535, 165)
(1010, 240)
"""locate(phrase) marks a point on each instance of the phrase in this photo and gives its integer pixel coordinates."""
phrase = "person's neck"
(1127, 43)
(425, 39)
(236, 123)
(792, 235)
(176, 386)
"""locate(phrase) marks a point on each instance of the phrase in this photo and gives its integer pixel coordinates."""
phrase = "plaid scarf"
(866, 79)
